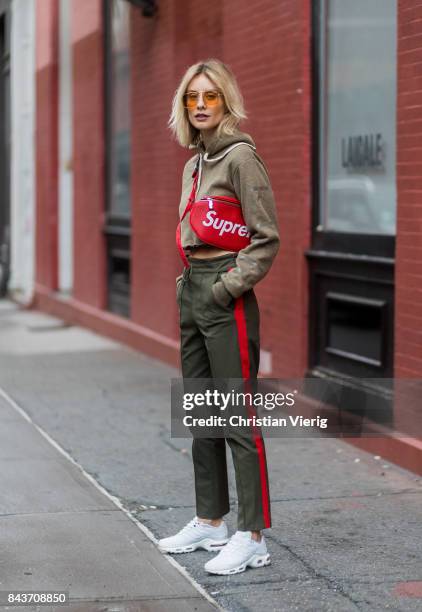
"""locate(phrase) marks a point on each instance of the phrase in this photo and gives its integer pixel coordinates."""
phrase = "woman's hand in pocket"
(221, 296)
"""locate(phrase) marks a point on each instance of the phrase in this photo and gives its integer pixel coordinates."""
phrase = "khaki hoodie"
(231, 169)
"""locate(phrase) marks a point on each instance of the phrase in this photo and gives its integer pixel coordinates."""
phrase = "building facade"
(334, 103)
(17, 153)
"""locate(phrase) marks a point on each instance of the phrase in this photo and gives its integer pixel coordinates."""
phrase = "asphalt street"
(91, 476)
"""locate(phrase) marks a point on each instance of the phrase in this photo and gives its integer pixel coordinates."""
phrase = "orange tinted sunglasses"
(210, 98)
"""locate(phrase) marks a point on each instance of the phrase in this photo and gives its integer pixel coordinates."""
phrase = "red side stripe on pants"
(242, 335)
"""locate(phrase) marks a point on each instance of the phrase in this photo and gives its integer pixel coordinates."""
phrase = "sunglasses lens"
(190, 100)
(210, 98)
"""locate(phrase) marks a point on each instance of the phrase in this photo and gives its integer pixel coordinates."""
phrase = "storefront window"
(358, 116)
(119, 109)
(117, 226)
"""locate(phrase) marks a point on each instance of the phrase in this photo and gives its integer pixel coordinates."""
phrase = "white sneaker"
(195, 534)
(241, 552)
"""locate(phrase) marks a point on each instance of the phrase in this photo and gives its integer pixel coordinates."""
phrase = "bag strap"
(188, 207)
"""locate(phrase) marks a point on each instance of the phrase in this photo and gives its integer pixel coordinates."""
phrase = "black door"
(5, 22)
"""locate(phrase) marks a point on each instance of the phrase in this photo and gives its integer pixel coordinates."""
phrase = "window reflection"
(358, 116)
(119, 201)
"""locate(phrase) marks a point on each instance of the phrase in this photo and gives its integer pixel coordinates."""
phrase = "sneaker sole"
(207, 544)
(254, 562)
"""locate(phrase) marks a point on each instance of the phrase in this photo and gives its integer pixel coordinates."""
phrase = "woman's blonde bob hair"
(185, 133)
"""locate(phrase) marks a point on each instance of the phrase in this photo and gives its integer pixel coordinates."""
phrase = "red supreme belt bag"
(218, 220)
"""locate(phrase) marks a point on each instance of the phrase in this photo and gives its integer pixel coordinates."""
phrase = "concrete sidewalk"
(60, 532)
(347, 526)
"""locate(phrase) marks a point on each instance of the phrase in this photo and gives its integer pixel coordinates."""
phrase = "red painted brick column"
(274, 74)
(157, 164)
(408, 282)
(89, 152)
(159, 59)
(408, 277)
(46, 145)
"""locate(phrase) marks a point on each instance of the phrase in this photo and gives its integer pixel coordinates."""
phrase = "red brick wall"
(89, 153)
(274, 75)
(46, 144)
(408, 274)
(157, 162)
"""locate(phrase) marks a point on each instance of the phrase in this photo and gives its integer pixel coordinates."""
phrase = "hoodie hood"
(218, 147)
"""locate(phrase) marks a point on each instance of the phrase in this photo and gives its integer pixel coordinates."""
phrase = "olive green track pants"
(223, 342)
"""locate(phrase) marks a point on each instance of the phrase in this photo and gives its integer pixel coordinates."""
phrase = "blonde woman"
(219, 315)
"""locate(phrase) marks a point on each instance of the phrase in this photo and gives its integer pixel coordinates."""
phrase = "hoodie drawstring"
(204, 158)
(200, 172)
(233, 146)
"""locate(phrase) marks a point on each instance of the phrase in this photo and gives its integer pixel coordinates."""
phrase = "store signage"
(362, 151)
